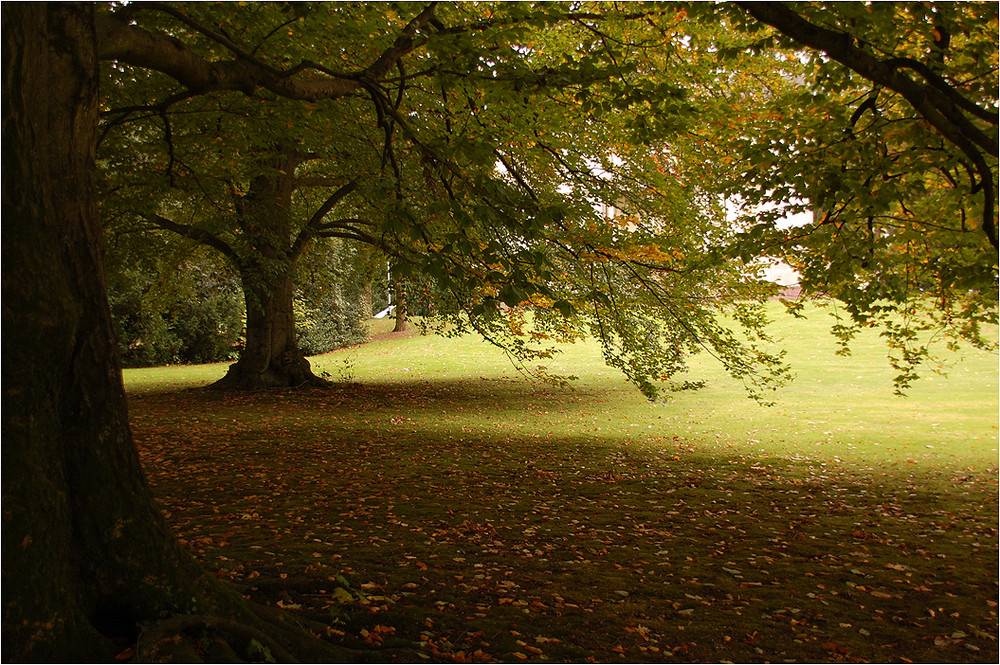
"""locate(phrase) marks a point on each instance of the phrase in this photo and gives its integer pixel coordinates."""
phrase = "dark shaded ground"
(366, 509)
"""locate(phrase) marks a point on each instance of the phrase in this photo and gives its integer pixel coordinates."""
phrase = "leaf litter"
(395, 517)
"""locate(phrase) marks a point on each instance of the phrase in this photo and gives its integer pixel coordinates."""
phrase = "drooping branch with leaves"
(886, 131)
(481, 153)
(939, 58)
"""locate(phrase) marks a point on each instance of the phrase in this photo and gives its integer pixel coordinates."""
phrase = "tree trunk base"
(268, 637)
(280, 373)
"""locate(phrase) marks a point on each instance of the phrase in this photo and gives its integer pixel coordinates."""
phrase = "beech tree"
(266, 264)
(940, 58)
(87, 556)
(233, 173)
(473, 160)
(512, 226)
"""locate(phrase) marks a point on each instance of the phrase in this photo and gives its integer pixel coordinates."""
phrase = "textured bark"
(87, 557)
(86, 552)
(271, 357)
(400, 311)
(399, 293)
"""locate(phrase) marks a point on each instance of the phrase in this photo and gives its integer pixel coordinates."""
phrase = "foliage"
(447, 152)
(483, 146)
(234, 176)
(484, 158)
(888, 135)
(331, 302)
(171, 303)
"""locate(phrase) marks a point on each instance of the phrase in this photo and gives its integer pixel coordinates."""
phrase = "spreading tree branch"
(118, 39)
(194, 233)
(935, 106)
(315, 224)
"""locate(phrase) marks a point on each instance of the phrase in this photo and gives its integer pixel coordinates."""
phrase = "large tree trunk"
(271, 357)
(86, 553)
(399, 293)
(87, 556)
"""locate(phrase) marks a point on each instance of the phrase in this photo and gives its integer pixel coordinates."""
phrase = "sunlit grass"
(838, 408)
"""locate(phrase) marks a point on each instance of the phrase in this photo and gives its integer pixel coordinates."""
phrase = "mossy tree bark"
(399, 296)
(266, 263)
(264, 246)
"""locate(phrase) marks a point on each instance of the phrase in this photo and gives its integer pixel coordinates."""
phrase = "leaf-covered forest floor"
(484, 519)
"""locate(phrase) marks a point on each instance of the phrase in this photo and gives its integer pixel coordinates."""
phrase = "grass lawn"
(437, 501)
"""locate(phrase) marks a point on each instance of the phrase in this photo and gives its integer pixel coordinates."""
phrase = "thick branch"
(351, 234)
(118, 40)
(936, 107)
(989, 115)
(315, 222)
(194, 233)
(214, 35)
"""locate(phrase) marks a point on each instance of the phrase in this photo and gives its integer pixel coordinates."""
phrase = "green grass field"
(435, 501)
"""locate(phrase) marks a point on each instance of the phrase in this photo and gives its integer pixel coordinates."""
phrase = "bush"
(332, 300)
(210, 324)
(332, 323)
(172, 304)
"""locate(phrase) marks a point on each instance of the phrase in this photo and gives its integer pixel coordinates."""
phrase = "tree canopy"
(487, 160)
(483, 146)
(891, 139)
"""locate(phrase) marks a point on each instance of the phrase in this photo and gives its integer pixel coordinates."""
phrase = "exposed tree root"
(204, 639)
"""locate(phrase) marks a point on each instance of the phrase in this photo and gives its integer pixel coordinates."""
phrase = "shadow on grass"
(488, 520)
